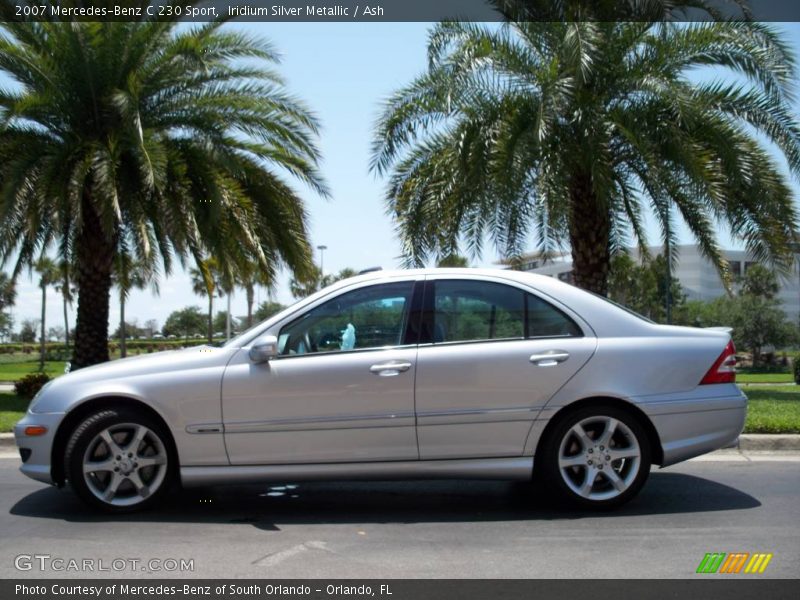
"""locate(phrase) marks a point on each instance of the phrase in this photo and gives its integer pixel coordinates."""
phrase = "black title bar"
(367, 11)
(707, 588)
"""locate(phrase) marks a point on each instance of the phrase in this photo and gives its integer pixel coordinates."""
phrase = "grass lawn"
(12, 408)
(764, 378)
(774, 409)
(12, 371)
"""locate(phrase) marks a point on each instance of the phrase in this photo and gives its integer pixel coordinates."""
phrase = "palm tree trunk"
(95, 250)
(123, 351)
(42, 348)
(250, 292)
(589, 234)
(66, 324)
(210, 319)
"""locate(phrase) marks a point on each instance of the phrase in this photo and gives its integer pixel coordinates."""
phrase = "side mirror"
(264, 349)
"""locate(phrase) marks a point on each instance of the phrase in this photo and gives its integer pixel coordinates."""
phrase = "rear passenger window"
(469, 311)
(545, 320)
(477, 310)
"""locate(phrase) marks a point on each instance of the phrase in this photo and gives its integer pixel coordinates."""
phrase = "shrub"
(28, 386)
(796, 368)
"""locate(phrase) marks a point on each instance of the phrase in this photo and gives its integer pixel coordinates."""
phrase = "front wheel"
(595, 457)
(120, 461)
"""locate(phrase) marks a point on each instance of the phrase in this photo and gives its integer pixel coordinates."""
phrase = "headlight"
(38, 396)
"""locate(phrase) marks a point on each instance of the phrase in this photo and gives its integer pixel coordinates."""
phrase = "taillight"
(724, 368)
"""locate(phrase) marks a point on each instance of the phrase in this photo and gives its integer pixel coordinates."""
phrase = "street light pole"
(322, 249)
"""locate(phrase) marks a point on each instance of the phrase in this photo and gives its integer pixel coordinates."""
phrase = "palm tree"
(68, 291)
(168, 141)
(8, 295)
(248, 278)
(129, 275)
(454, 261)
(300, 288)
(49, 274)
(8, 291)
(206, 282)
(573, 131)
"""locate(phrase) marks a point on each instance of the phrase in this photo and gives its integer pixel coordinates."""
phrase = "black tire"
(604, 494)
(121, 420)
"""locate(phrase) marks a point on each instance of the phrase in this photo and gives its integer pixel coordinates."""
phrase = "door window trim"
(410, 312)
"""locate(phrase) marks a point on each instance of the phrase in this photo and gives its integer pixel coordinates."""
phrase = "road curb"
(765, 442)
(7, 441)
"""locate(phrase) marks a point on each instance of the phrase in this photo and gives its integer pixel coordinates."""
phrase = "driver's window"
(371, 317)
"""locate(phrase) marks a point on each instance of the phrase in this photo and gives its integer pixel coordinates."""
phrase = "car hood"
(114, 376)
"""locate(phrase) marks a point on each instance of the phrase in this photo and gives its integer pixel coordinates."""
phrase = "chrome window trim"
(281, 357)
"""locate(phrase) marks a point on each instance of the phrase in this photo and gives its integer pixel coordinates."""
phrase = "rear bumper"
(38, 465)
(710, 418)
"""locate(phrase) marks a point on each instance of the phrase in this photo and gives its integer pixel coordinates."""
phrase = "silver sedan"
(439, 373)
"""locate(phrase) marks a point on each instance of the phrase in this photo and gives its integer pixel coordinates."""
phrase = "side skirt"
(520, 468)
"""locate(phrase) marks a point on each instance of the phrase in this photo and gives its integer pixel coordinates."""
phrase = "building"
(697, 276)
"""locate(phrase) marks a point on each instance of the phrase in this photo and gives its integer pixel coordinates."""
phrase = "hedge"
(59, 350)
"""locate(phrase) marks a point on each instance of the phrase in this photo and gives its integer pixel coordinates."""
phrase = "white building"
(697, 276)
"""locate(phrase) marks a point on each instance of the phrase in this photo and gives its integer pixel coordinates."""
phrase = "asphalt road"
(421, 529)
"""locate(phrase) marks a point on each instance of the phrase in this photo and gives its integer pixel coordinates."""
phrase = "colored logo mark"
(735, 562)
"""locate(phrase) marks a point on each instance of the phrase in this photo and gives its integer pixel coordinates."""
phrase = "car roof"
(604, 317)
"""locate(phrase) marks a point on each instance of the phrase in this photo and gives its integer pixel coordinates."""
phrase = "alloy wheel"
(599, 458)
(125, 464)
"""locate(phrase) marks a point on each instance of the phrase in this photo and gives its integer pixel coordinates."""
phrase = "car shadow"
(268, 506)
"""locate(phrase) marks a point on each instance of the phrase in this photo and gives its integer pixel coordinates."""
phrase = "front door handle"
(388, 369)
(550, 358)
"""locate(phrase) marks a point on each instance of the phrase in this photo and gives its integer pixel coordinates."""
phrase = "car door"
(490, 356)
(340, 390)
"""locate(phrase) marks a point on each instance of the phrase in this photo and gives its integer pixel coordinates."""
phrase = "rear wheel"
(120, 461)
(595, 457)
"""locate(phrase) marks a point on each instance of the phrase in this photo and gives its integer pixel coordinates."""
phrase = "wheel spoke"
(150, 461)
(113, 447)
(608, 433)
(570, 461)
(141, 488)
(113, 486)
(620, 453)
(615, 480)
(98, 467)
(137, 438)
(588, 481)
(580, 433)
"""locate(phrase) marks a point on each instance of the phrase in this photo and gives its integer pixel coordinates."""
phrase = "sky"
(342, 71)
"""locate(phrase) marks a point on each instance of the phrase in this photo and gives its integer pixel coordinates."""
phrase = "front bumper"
(38, 465)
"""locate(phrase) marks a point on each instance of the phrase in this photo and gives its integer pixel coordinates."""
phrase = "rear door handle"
(550, 358)
(391, 368)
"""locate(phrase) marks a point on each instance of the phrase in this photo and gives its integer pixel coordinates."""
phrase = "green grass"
(773, 409)
(12, 371)
(764, 378)
(12, 409)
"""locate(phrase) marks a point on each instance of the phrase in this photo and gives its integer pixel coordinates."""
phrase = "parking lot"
(459, 529)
